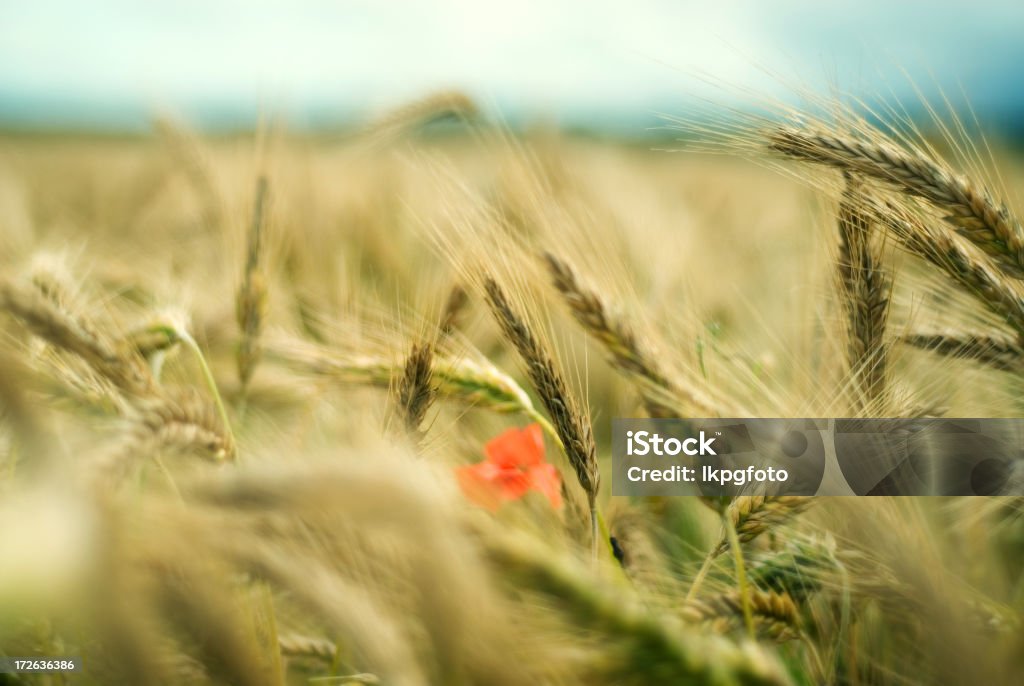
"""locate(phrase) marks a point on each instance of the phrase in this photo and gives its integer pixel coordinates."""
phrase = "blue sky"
(111, 62)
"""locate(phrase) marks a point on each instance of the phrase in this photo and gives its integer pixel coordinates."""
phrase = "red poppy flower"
(514, 466)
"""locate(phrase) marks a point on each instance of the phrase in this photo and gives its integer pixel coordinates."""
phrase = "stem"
(187, 339)
(550, 430)
(741, 574)
(699, 579)
(597, 524)
(606, 535)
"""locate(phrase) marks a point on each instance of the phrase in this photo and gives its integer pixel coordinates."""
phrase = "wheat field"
(245, 380)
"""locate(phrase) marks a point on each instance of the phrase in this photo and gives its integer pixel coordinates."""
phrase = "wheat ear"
(169, 424)
(746, 518)
(415, 388)
(573, 427)
(56, 325)
(996, 352)
(409, 116)
(776, 616)
(150, 339)
(753, 515)
(974, 273)
(251, 299)
(659, 648)
(866, 291)
(972, 211)
(800, 568)
(477, 384)
(662, 397)
(183, 422)
(454, 308)
(295, 645)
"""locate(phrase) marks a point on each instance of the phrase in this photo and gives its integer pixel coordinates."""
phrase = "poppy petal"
(545, 478)
(489, 485)
(517, 447)
(478, 488)
(511, 483)
(514, 465)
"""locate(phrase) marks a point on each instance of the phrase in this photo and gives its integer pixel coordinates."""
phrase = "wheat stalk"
(171, 423)
(800, 568)
(251, 299)
(662, 397)
(974, 273)
(183, 422)
(408, 116)
(149, 340)
(996, 352)
(454, 308)
(295, 645)
(50, 278)
(574, 430)
(746, 518)
(316, 586)
(753, 515)
(658, 647)
(776, 616)
(120, 363)
(415, 388)
(192, 602)
(866, 291)
(60, 328)
(809, 565)
(972, 210)
(478, 384)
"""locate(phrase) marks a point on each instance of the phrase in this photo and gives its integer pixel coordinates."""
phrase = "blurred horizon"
(614, 68)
